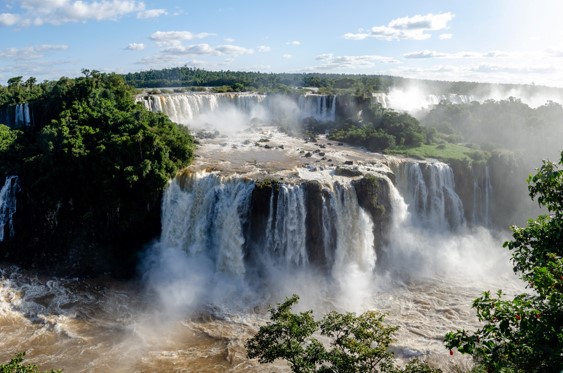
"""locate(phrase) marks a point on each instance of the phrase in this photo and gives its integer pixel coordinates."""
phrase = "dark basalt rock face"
(374, 196)
(51, 236)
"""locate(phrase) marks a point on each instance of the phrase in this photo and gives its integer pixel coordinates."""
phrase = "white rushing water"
(8, 206)
(238, 110)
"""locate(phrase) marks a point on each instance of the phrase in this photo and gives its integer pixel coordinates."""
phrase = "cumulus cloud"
(152, 13)
(417, 27)
(229, 40)
(56, 12)
(287, 56)
(8, 19)
(175, 38)
(135, 47)
(445, 36)
(332, 62)
(294, 42)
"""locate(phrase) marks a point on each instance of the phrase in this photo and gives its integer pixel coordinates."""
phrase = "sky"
(500, 41)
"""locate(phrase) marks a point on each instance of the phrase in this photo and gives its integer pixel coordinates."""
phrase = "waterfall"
(204, 215)
(414, 100)
(482, 198)
(15, 116)
(184, 108)
(320, 107)
(286, 230)
(22, 115)
(354, 233)
(429, 190)
(8, 205)
(207, 215)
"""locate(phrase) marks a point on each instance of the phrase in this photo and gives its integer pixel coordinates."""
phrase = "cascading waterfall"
(286, 230)
(23, 116)
(205, 216)
(482, 198)
(186, 107)
(8, 206)
(320, 107)
(354, 233)
(15, 116)
(429, 190)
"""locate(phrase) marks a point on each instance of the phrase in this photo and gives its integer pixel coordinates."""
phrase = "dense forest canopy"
(360, 83)
(92, 170)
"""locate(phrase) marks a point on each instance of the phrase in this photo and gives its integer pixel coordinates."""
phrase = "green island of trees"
(92, 170)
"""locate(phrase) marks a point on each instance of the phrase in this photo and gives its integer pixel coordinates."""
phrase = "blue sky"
(508, 41)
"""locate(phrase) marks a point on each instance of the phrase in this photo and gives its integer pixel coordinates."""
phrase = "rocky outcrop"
(374, 196)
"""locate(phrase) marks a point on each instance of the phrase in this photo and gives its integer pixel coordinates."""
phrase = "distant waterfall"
(8, 206)
(429, 190)
(184, 108)
(482, 198)
(320, 107)
(23, 116)
(405, 100)
(15, 116)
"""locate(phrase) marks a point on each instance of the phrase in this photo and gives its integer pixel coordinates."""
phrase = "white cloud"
(417, 27)
(445, 36)
(294, 42)
(332, 62)
(460, 55)
(229, 40)
(135, 47)
(8, 19)
(425, 54)
(206, 49)
(152, 13)
(33, 52)
(287, 56)
(175, 38)
(56, 12)
(263, 48)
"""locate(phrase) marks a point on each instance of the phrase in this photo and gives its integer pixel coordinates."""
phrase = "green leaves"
(339, 342)
(15, 365)
(525, 334)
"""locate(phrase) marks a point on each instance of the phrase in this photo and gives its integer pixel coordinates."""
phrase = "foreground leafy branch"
(525, 334)
(355, 343)
(15, 365)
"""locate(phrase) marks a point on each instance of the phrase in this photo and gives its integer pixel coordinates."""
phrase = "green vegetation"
(508, 124)
(525, 333)
(92, 170)
(357, 343)
(379, 129)
(356, 84)
(16, 365)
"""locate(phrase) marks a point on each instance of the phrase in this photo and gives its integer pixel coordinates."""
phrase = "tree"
(357, 343)
(16, 365)
(525, 334)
